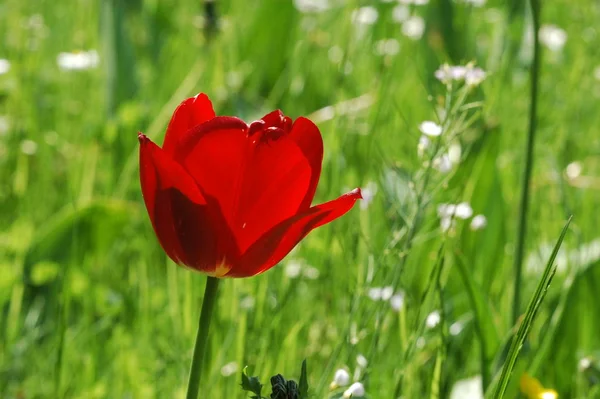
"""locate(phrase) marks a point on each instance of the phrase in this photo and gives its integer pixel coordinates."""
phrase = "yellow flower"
(533, 389)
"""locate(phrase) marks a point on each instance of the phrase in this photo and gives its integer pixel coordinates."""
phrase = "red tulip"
(230, 199)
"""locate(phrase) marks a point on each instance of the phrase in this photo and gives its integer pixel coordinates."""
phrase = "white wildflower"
(4, 66)
(229, 369)
(387, 47)
(446, 210)
(397, 301)
(247, 302)
(368, 193)
(424, 143)
(311, 273)
(455, 328)
(375, 293)
(387, 292)
(478, 222)
(341, 378)
(454, 153)
(361, 361)
(463, 210)
(413, 27)
(433, 319)
(78, 60)
(400, 13)
(356, 390)
(443, 163)
(474, 76)
(430, 128)
(293, 269)
(584, 364)
(365, 16)
(553, 37)
(28, 147)
(474, 3)
(308, 6)
(573, 170)
(470, 388)
(446, 223)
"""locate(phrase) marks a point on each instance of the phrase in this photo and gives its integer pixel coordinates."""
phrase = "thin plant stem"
(525, 183)
(210, 297)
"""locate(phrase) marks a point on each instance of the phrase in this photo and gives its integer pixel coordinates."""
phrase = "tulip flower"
(231, 199)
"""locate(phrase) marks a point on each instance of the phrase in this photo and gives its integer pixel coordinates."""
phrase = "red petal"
(307, 136)
(258, 180)
(187, 227)
(189, 114)
(272, 247)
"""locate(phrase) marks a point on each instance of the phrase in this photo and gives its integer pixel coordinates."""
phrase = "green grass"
(90, 306)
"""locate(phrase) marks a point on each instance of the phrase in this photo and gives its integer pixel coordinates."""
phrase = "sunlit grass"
(92, 308)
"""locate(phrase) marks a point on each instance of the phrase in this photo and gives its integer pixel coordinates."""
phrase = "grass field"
(91, 307)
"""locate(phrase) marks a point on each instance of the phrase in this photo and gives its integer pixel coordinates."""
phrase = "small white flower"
(446, 210)
(463, 210)
(340, 379)
(361, 361)
(424, 143)
(365, 16)
(400, 13)
(78, 61)
(433, 319)
(474, 3)
(446, 223)
(430, 128)
(355, 390)
(443, 163)
(386, 293)
(311, 273)
(413, 27)
(454, 153)
(446, 73)
(368, 193)
(308, 6)
(573, 170)
(4, 66)
(397, 301)
(474, 76)
(28, 147)
(584, 364)
(375, 293)
(387, 47)
(552, 37)
(247, 302)
(293, 269)
(455, 328)
(229, 369)
(470, 388)
(415, 2)
(478, 222)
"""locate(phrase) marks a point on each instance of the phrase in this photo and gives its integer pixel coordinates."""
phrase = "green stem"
(210, 296)
(523, 206)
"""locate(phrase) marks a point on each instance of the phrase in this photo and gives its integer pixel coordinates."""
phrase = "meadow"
(414, 292)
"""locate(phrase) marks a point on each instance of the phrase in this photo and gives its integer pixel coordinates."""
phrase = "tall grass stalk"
(524, 201)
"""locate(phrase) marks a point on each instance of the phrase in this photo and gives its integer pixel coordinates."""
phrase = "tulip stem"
(208, 304)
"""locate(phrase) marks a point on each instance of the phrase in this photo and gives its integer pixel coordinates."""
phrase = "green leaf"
(303, 387)
(532, 308)
(251, 384)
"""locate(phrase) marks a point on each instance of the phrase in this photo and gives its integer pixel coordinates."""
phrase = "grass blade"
(534, 304)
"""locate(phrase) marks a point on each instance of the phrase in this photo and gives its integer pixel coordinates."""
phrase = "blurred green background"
(90, 307)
